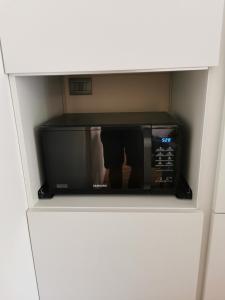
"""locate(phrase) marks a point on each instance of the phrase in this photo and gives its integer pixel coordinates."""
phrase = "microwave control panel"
(164, 156)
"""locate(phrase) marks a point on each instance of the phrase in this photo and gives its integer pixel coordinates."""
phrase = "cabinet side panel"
(35, 99)
(188, 104)
(219, 196)
(215, 273)
(17, 276)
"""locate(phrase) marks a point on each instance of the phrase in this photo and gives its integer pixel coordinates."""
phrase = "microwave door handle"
(147, 136)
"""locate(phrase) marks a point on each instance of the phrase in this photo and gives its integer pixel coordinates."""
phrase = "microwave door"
(147, 136)
(117, 158)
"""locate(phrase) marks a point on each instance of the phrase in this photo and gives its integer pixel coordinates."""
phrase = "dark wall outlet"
(80, 86)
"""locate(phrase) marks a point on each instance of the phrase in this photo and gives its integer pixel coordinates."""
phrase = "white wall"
(17, 276)
(122, 93)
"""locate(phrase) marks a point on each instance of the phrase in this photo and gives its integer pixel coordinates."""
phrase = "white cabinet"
(116, 255)
(100, 36)
(17, 276)
(215, 275)
(219, 201)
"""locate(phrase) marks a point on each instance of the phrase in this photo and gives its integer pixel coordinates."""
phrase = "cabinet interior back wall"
(121, 93)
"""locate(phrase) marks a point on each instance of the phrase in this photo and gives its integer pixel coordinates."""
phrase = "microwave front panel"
(111, 159)
(164, 157)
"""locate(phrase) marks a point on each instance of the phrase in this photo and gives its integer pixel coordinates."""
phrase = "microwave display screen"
(166, 140)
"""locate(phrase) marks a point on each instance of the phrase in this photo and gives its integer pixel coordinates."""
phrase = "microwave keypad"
(164, 156)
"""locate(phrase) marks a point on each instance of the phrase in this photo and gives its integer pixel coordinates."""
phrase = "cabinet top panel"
(109, 35)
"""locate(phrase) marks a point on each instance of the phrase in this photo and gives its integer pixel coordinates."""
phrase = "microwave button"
(169, 154)
(170, 149)
(160, 149)
(159, 154)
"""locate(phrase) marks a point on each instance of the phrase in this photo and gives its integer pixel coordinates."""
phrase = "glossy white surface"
(17, 276)
(116, 255)
(100, 36)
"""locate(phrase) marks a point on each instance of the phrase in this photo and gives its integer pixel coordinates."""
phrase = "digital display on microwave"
(166, 140)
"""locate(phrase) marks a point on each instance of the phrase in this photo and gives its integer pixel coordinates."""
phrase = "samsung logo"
(99, 185)
(62, 186)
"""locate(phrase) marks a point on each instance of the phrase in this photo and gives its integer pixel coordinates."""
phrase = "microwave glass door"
(117, 158)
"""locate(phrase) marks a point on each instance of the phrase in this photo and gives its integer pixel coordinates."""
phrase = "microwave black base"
(183, 191)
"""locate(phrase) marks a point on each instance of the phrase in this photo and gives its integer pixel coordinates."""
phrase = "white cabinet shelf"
(110, 36)
(115, 203)
(38, 98)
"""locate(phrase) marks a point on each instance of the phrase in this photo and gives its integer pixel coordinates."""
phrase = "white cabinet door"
(215, 274)
(116, 255)
(17, 276)
(219, 199)
(109, 35)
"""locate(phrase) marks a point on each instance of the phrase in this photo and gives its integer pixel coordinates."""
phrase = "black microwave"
(112, 153)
